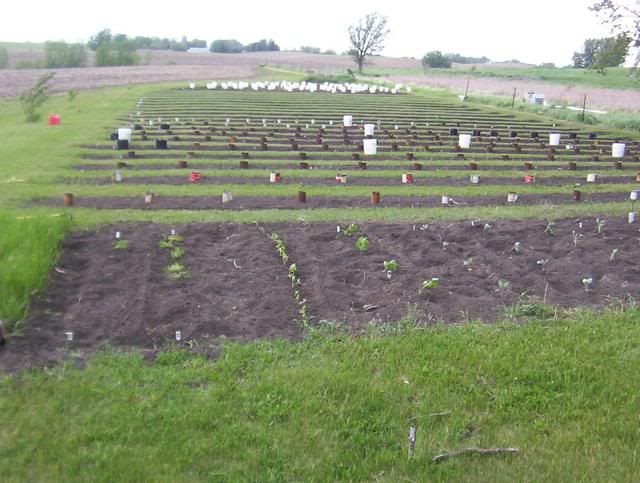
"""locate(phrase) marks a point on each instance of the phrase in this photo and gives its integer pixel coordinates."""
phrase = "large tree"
(624, 18)
(367, 37)
(599, 54)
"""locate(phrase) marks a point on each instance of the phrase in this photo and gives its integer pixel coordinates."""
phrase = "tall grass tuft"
(28, 250)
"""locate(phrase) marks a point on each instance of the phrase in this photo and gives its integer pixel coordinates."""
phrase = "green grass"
(28, 250)
(336, 408)
(615, 78)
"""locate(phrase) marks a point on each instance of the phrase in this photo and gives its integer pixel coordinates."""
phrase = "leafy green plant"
(575, 236)
(71, 95)
(600, 226)
(390, 266)
(614, 252)
(542, 263)
(503, 284)
(428, 285)
(529, 307)
(467, 262)
(177, 253)
(176, 271)
(352, 229)
(171, 241)
(362, 244)
(550, 228)
(121, 244)
(33, 98)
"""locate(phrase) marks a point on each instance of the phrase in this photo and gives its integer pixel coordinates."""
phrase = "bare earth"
(601, 98)
(165, 66)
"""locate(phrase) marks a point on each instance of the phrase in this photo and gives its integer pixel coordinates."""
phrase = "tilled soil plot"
(340, 280)
(238, 289)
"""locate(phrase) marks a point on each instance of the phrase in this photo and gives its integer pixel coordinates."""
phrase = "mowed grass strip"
(336, 408)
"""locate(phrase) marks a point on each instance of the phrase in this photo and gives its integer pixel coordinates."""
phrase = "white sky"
(531, 31)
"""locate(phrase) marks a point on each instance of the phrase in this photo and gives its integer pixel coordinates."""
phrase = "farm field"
(295, 304)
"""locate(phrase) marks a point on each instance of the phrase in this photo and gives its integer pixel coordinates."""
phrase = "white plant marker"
(632, 217)
(178, 335)
(173, 232)
(69, 336)
(117, 235)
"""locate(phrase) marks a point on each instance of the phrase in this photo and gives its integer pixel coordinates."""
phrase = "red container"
(195, 177)
(54, 120)
(529, 178)
(407, 178)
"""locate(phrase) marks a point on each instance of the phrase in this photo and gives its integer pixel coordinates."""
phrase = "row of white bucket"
(344, 88)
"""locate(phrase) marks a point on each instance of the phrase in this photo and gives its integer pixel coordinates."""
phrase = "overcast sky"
(532, 31)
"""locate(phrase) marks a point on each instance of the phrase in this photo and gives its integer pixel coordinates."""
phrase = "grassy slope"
(337, 408)
(615, 78)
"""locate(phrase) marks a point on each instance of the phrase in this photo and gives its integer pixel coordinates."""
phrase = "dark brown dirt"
(356, 181)
(124, 298)
(339, 280)
(257, 202)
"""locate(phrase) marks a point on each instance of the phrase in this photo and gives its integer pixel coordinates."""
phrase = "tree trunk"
(360, 64)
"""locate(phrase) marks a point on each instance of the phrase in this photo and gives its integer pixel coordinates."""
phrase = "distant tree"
(104, 36)
(460, 59)
(62, 54)
(367, 37)
(329, 52)
(624, 19)
(435, 60)
(547, 65)
(262, 46)
(310, 50)
(197, 43)
(4, 58)
(33, 98)
(599, 54)
(228, 46)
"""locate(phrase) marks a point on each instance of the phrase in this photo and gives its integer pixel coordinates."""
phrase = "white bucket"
(554, 139)
(370, 146)
(446, 199)
(632, 217)
(633, 196)
(512, 197)
(124, 134)
(227, 196)
(274, 177)
(617, 150)
(118, 176)
(591, 177)
(347, 121)
(192, 85)
(464, 140)
(368, 129)
(474, 179)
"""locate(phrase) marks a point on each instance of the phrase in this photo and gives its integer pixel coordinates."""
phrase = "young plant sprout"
(614, 252)
(390, 266)
(600, 226)
(487, 227)
(352, 229)
(171, 241)
(516, 247)
(542, 263)
(429, 285)
(549, 230)
(503, 284)
(467, 263)
(121, 244)
(177, 253)
(445, 244)
(576, 237)
(424, 227)
(586, 283)
(176, 271)
(362, 244)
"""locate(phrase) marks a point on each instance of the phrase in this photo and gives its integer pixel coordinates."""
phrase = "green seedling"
(576, 237)
(176, 271)
(362, 244)
(429, 285)
(516, 248)
(614, 252)
(550, 229)
(352, 229)
(177, 253)
(390, 266)
(487, 227)
(171, 241)
(586, 283)
(600, 226)
(467, 263)
(503, 284)
(121, 245)
(542, 263)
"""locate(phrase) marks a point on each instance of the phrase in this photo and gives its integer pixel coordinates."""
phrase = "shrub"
(310, 50)
(62, 54)
(226, 46)
(4, 58)
(335, 78)
(262, 46)
(33, 99)
(435, 60)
